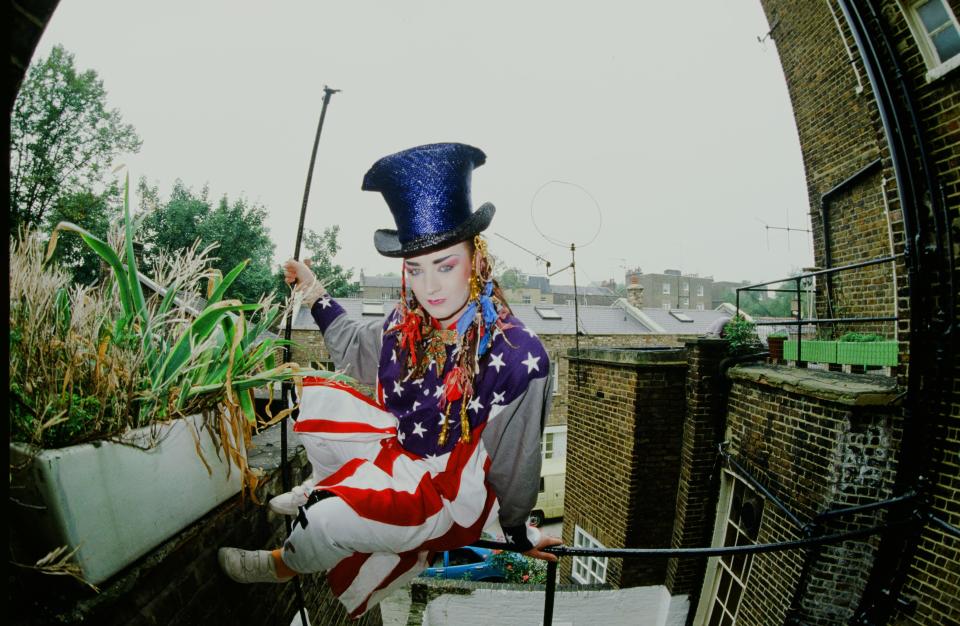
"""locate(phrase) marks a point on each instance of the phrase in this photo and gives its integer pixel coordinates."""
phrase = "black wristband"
(516, 537)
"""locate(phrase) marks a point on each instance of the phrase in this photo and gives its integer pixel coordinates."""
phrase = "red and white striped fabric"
(394, 508)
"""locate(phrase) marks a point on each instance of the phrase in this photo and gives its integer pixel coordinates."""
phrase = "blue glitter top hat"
(428, 191)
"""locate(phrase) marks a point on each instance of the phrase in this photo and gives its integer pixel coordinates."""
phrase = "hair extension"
(419, 340)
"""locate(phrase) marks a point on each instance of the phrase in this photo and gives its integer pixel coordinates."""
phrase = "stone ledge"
(664, 356)
(846, 389)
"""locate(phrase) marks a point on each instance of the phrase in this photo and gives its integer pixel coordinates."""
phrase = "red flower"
(526, 577)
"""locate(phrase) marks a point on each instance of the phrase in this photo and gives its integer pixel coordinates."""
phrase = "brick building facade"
(623, 460)
(876, 98)
(878, 116)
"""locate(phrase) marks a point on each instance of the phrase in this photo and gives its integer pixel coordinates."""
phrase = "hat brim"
(388, 243)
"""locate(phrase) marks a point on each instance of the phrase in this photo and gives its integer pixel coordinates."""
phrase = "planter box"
(868, 353)
(813, 351)
(775, 346)
(117, 502)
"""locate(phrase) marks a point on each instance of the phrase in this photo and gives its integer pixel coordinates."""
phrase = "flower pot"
(115, 502)
(775, 346)
(813, 351)
(868, 353)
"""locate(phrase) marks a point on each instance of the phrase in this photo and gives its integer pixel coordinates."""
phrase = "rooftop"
(553, 319)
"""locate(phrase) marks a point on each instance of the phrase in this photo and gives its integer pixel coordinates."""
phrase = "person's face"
(441, 280)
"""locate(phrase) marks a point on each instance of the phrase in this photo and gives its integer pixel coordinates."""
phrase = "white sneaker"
(249, 566)
(289, 503)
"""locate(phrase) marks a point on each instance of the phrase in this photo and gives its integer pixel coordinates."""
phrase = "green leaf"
(246, 403)
(198, 331)
(108, 255)
(133, 275)
(227, 281)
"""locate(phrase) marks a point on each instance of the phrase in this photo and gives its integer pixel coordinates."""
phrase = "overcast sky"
(671, 116)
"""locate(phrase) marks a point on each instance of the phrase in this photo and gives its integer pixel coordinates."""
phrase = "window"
(700, 290)
(666, 305)
(937, 32)
(547, 313)
(685, 288)
(588, 570)
(526, 299)
(738, 523)
(700, 307)
(555, 374)
(666, 289)
(372, 308)
(683, 317)
(553, 444)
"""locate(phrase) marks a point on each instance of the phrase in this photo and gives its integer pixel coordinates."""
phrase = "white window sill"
(943, 69)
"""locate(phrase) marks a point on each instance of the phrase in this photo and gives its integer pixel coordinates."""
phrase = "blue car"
(468, 563)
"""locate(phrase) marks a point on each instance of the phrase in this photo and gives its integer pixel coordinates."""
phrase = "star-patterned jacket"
(513, 384)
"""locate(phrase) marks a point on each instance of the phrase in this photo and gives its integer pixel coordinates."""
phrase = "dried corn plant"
(69, 382)
(94, 363)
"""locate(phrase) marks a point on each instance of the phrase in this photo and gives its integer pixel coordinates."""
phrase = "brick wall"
(698, 485)
(180, 583)
(624, 429)
(559, 345)
(840, 132)
(815, 450)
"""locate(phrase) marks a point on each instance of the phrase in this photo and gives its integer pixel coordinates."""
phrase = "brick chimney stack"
(635, 292)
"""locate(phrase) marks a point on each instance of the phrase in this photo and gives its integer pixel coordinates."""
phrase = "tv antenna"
(584, 209)
(789, 229)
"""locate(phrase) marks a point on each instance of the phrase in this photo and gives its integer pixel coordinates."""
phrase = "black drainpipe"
(928, 257)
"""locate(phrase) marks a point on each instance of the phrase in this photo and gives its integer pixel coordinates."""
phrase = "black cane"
(287, 387)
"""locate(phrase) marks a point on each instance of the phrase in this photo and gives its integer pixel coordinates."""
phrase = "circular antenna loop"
(573, 214)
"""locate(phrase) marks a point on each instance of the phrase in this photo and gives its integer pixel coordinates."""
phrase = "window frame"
(665, 289)
(936, 67)
(716, 566)
(581, 570)
(547, 446)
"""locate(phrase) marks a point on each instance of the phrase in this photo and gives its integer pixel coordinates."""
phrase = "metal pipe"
(849, 180)
(762, 489)
(834, 320)
(576, 309)
(549, 594)
(757, 548)
(850, 510)
(950, 528)
(832, 270)
(891, 564)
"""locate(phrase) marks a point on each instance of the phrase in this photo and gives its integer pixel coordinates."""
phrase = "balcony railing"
(797, 290)
(904, 510)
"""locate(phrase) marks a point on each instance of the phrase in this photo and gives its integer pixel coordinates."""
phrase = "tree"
(92, 212)
(62, 137)
(760, 303)
(325, 247)
(511, 278)
(238, 229)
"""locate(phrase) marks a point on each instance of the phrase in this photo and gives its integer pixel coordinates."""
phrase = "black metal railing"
(799, 320)
(648, 553)
(907, 507)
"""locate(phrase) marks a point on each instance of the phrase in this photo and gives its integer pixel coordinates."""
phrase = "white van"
(553, 473)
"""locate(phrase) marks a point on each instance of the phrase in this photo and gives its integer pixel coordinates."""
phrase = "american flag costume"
(401, 495)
